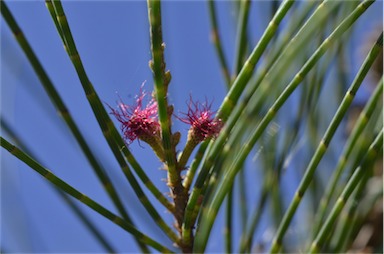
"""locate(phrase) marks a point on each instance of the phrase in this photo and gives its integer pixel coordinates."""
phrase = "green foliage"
(279, 115)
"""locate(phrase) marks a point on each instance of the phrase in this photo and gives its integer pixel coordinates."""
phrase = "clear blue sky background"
(113, 41)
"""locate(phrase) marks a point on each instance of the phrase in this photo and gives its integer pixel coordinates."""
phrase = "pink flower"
(136, 121)
(203, 123)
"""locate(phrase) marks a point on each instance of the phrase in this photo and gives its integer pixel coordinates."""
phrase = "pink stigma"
(203, 123)
(136, 121)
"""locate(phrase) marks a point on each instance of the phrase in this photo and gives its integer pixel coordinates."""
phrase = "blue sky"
(113, 41)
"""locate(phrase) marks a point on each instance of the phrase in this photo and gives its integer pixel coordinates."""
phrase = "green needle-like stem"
(194, 165)
(216, 40)
(114, 140)
(347, 151)
(165, 111)
(230, 102)
(246, 239)
(48, 175)
(161, 87)
(353, 218)
(246, 71)
(228, 230)
(84, 218)
(324, 143)
(63, 112)
(222, 189)
(147, 181)
(218, 144)
(187, 151)
(241, 37)
(220, 141)
(352, 184)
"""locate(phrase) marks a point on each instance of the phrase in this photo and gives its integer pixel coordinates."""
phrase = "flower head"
(203, 123)
(138, 122)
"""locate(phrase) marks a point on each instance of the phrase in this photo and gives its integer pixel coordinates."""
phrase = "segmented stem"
(361, 123)
(246, 72)
(161, 86)
(241, 37)
(64, 113)
(219, 142)
(322, 148)
(211, 212)
(147, 181)
(228, 228)
(352, 220)
(162, 79)
(246, 239)
(216, 40)
(111, 134)
(84, 218)
(48, 175)
(230, 102)
(352, 184)
(186, 153)
(194, 165)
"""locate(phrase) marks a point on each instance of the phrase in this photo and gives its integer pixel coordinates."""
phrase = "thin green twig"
(353, 220)
(246, 238)
(64, 112)
(322, 148)
(243, 198)
(222, 188)
(161, 86)
(348, 148)
(229, 103)
(241, 37)
(108, 128)
(48, 175)
(194, 165)
(349, 225)
(240, 57)
(282, 42)
(246, 72)
(162, 79)
(228, 230)
(216, 40)
(114, 140)
(348, 219)
(352, 184)
(77, 211)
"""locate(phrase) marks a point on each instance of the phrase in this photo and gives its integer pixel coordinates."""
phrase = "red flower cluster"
(203, 123)
(136, 121)
(142, 123)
